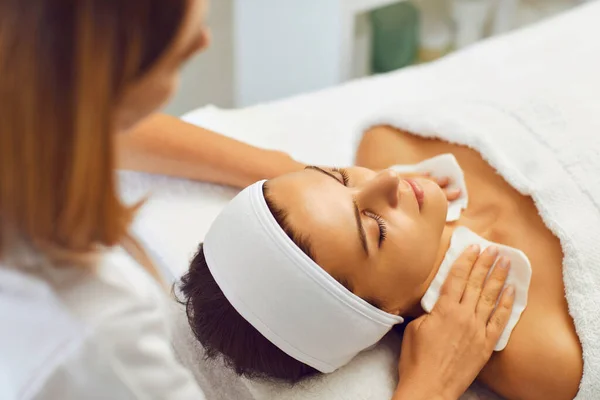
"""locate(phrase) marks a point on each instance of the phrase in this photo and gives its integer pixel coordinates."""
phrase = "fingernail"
(493, 250)
(474, 248)
(454, 191)
(504, 263)
(510, 291)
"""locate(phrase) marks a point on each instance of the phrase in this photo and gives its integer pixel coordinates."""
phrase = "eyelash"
(381, 224)
(344, 174)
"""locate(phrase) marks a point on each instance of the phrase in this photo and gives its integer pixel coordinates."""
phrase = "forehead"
(321, 210)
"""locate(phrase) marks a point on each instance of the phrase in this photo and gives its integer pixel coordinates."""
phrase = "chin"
(126, 123)
(435, 200)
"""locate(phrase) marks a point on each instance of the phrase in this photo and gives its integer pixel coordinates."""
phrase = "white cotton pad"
(519, 276)
(444, 165)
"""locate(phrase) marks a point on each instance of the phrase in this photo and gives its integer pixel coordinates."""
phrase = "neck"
(416, 310)
(481, 220)
(480, 224)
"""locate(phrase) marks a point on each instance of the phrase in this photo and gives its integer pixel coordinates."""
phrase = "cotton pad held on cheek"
(519, 276)
(442, 166)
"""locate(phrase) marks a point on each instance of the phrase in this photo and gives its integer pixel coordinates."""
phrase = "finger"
(416, 324)
(454, 286)
(452, 194)
(492, 289)
(443, 181)
(501, 315)
(477, 279)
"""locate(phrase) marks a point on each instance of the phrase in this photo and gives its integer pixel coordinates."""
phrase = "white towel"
(527, 101)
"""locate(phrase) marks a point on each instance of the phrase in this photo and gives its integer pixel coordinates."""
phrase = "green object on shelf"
(395, 36)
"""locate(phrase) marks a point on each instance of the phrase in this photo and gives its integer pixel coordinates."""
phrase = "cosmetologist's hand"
(443, 352)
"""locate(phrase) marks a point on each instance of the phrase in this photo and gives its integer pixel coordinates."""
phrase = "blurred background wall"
(264, 50)
(208, 78)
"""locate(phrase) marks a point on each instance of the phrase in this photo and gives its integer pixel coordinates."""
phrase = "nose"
(379, 192)
(207, 38)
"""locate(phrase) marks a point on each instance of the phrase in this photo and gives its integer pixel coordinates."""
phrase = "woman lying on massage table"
(384, 238)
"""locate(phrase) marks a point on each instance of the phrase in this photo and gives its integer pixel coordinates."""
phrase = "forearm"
(169, 146)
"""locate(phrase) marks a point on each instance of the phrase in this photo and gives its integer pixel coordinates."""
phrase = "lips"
(418, 191)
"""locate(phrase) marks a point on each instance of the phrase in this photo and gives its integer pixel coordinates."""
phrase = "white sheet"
(321, 128)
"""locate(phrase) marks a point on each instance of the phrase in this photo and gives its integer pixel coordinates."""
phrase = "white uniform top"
(68, 333)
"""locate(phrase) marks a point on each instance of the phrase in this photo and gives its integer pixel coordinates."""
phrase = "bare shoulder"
(384, 146)
(539, 363)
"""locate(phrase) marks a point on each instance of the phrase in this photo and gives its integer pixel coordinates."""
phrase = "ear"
(410, 311)
(394, 311)
(389, 308)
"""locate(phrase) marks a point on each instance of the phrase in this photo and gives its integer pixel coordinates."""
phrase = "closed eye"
(359, 225)
(381, 224)
(344, 174)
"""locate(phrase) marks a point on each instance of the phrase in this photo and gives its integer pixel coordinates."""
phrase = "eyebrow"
(321, 170)
(359, 225)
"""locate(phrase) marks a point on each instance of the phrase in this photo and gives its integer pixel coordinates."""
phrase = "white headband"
(284, 294)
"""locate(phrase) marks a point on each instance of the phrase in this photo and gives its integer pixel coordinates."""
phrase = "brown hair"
(63, 67)
(225, 334)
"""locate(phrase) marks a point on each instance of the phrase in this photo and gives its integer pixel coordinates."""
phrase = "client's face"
(374, 231)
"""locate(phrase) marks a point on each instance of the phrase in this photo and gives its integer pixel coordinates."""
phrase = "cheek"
(411, 252)
(418, 235)
(406, 260)
(401, 278)
(439, 203)
(144, 100)
(160, 93)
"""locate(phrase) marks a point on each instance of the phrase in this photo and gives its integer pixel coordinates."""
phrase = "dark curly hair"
(224, 333)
